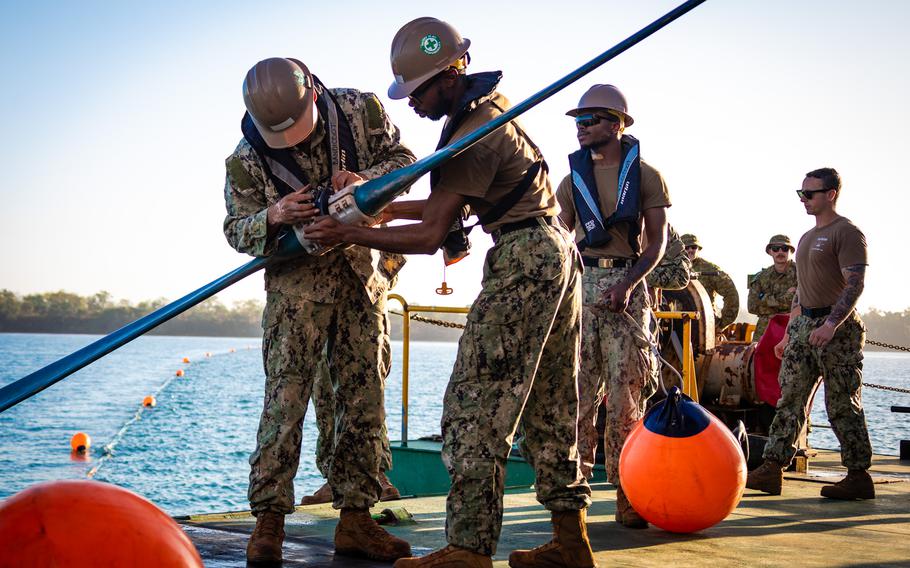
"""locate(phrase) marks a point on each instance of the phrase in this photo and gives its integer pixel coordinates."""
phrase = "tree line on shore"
(65, 312)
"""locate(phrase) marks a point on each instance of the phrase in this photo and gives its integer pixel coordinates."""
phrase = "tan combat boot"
(768, 478)
(857, 485)
(389, 492)
(626, 515)
(570, 545)
(264, 546)
(321, 495)
(357, 534)
(448, 557)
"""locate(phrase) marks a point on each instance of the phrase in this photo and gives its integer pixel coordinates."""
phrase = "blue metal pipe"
(374, 195)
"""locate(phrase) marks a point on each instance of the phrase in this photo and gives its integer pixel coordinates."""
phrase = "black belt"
(524, 224)
(814, 312)
(606, 262)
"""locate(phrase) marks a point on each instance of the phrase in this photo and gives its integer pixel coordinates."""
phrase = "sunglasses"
(778, 248)
(693, 247)
(807, 194)
(588, 120)
(420, 91)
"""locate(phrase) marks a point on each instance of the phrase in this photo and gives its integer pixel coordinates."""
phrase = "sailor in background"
(518, 355)
(610, 198)
(716, 283)
(825, 337)
(299, 135)
(771, 290)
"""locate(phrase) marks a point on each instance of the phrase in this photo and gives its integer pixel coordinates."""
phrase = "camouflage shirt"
(672, 272)
(770, 293)
(718, 283)
(248, 192)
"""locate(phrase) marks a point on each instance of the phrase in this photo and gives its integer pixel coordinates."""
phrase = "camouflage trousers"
(840, 364)
(616, 361)
(517, 360)
(297, 332)
(323, 397)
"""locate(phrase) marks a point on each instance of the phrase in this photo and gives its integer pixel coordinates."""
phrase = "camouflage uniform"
(616, 361)
(718, 283)
(338, 300)
(770, 293)
(672, 272)
(517, 356)
(840, 364)
(323, 397)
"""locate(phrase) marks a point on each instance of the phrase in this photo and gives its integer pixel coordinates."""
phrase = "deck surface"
(796, 528)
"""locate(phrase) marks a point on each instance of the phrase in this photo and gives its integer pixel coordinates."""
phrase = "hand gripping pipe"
(357, 202)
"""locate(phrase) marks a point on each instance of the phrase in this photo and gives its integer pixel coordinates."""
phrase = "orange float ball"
(186, 359)
(149, 401)
(80, 442)
(681, 468)
(179, 372)
(89, 523)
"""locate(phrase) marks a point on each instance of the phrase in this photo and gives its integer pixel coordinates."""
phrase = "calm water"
(189, 454)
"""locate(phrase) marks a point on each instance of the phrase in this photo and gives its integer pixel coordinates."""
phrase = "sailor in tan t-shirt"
(612, 198)
(825, 337)
(519, 350)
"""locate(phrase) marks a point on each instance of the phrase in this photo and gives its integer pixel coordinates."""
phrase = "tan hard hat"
(783, 240)
(690, 240)
(278, 94)
(421, 49)
(603, 97)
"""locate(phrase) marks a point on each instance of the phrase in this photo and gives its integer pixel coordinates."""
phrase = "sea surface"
(189, 453)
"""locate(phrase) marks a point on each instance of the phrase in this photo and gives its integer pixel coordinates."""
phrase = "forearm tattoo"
(855, 276)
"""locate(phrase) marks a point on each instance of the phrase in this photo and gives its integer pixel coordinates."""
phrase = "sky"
(117, 119)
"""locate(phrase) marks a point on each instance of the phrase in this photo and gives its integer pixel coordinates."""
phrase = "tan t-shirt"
(820, 256)
(653, 194)
(487, 171)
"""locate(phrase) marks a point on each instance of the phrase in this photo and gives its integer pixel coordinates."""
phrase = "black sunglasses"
(588, 120)
(807, 194)
(692, 247)
(420, 91)
(778, 248)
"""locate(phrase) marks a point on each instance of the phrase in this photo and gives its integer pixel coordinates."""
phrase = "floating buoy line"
(149, 402)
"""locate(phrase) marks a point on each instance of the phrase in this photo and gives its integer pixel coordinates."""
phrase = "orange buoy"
(231, 350)
(149, 401)
(89, 523)
(681, 468)
(179, 372)
(186, 359)
(81, 442)
(207, 354)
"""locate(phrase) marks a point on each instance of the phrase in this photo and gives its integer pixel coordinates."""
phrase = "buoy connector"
(81, 442)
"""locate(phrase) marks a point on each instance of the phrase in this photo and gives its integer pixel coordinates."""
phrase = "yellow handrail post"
(690, 383)
(690, 386)
(406, 350)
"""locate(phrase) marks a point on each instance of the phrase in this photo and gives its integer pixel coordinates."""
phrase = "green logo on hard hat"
(430, 44)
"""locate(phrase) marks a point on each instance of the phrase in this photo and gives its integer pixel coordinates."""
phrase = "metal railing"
(690, 385)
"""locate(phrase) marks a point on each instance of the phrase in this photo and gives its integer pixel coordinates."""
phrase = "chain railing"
(887, 345)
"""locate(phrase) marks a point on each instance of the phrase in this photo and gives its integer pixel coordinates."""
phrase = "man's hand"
(822, 335)
(293, 208)
(779, 348)
(344, 178)
(616, 297)
(326, 231)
